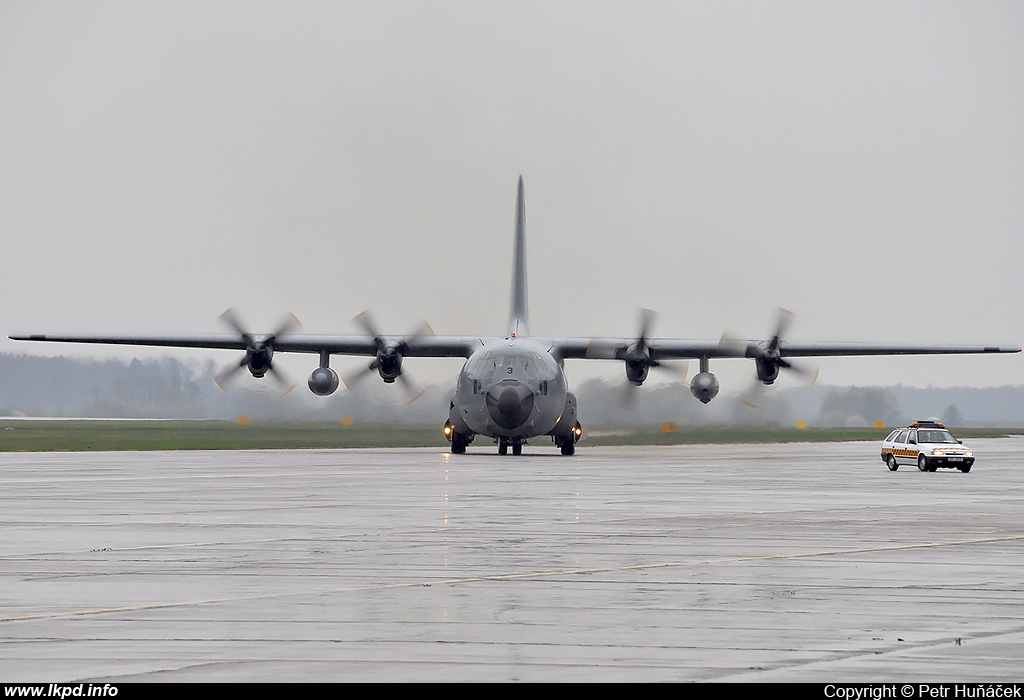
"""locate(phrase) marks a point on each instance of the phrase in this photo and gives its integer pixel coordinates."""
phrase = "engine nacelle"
(704, 386)
(258, 358)
(767, 372)
(323, 381)
(389, 365)
(636, 372)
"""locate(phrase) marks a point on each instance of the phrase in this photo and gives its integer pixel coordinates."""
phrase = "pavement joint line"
(507, 577)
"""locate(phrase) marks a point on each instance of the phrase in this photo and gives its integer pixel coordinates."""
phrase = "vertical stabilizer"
(517, 311)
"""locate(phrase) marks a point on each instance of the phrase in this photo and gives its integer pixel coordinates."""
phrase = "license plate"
(956, 459)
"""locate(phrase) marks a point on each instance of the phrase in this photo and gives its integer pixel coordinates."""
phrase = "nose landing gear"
(504, 443)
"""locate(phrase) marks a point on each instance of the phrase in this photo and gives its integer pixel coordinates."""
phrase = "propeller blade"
(421, 331)
(282, 381)
(808, 373)
(679, 370)
(768, 356)
(225, 375)
(754, 395)
(785, 318)
(410, 389)
(390, 353)
(287, 326)
(364, 320)
(257, 346)
(352, 378)
(627, 396)
(231, 318)
(646, 319)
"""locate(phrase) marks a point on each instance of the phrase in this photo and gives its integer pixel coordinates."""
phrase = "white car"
(928, 445)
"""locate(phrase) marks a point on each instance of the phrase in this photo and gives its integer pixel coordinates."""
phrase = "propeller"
(259, 352)
(637, 357)
(768, 360)
(627, 396)
(390, 353)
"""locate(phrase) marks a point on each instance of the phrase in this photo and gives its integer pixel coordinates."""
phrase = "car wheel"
(922, 463)
(892, 463)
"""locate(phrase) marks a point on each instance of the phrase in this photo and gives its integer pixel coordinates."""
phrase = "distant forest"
(167, 388)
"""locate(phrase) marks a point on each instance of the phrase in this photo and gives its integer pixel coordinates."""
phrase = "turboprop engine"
(768, 371)
(636, 370)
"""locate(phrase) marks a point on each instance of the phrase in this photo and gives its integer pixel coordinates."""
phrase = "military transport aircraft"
(512, 388)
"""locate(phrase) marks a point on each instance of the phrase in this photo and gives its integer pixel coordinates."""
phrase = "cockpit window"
(500, 363)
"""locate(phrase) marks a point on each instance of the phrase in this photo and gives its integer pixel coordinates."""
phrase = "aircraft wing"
(566, 348)
(787, 349)
(425, 346)
(223, 341)
(429, 346)
(673, 349)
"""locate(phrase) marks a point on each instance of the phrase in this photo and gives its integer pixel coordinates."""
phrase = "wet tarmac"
(761, 563)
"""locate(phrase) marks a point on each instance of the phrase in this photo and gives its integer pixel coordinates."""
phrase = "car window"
(903, 436)
(892, 435)
(912, 438)
(937, 436)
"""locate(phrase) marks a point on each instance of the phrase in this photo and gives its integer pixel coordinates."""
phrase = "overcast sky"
(861, 163)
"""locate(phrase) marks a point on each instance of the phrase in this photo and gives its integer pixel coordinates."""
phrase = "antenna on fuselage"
(517, 310)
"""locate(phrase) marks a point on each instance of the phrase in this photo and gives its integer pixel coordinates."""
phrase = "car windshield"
(933, 436)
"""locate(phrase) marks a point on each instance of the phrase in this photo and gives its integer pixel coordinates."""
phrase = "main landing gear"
(459, 441)
(567, 443)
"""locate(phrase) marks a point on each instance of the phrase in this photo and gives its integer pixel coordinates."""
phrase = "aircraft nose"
(509, 403)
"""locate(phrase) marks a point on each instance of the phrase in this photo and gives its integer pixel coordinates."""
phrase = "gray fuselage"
(512, 388)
